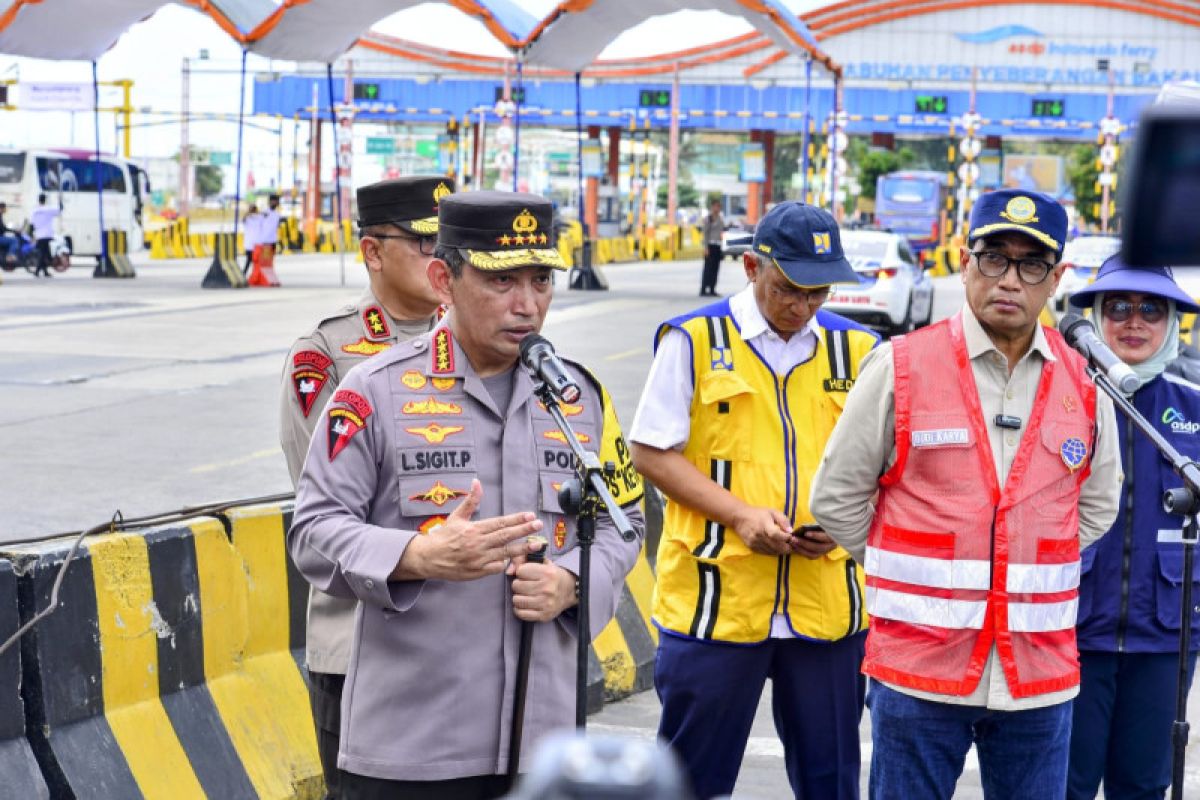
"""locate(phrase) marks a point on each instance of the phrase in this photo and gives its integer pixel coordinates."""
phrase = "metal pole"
(237, 180)
(517, 120)
(337, 177)
(673, 157)
(579, 152)
(807, 125)
(185, 165)
(102, 267)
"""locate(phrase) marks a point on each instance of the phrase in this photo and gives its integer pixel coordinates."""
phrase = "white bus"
(70, 179)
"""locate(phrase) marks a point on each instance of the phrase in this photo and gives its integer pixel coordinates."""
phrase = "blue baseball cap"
(1117, 276)
(804, 242)
(1034, 214)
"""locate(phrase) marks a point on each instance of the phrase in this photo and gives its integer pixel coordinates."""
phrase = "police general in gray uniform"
(398, 231)
(431, 465)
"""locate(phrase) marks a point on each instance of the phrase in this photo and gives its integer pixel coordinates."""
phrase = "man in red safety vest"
(996, 461)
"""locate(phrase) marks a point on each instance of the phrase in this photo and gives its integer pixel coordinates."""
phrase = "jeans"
(9, 245)
(920, 746)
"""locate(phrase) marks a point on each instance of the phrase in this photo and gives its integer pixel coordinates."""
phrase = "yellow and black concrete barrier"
(224, 272)
(114, 262)
(172, 665)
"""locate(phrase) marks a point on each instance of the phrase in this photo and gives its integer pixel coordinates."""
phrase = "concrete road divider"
(22, 777)
(115, 263)
(224, 272)
(173, 664)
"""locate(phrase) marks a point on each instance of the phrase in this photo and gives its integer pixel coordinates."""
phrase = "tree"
(209, 180)
(874, 163)
(1082, 175)
(687, 195)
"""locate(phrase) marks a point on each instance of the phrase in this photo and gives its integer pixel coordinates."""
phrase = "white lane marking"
(237, 461)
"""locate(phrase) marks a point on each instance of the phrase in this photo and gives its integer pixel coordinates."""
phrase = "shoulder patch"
(345, 422)
(375, 324)
(309, 376)
(443, 352)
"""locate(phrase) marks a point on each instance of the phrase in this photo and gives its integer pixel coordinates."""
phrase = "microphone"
(1081, 334)
(537, 354)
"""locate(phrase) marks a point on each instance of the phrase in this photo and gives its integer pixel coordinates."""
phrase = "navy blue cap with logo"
(805, 243)
(1034, 214)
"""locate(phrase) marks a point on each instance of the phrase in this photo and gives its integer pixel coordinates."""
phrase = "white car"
(1083, 256)
(895, 294)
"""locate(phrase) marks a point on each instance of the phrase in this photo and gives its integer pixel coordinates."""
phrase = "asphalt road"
(148, 395)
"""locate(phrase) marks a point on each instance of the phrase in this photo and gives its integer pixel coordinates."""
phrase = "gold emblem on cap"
(1020, 210)
(441, 191)
(525, 222)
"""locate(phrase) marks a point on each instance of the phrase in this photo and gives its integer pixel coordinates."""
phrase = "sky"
(150, 53)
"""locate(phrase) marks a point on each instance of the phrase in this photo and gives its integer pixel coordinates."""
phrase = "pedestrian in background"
(741, 396)
(995, 461)
(10, 240)
(1129, 595)
(42, 222)
(269, 224)
(398, 224)
(250, 234)
(714, 229)
(438, 463)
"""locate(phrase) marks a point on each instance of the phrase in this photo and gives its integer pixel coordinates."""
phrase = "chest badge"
(443, 384)
(560, 534)
(1074, 453)
(364, 347)
(434, 433)
(413, 379)
(1068, 403)
(439, 494)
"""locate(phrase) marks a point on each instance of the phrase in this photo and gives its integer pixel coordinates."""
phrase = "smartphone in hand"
(805, 530)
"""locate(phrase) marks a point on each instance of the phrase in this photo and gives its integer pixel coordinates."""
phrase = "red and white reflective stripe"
(918, 609)
(1041, 617)
(1039, 578)
(947, 573)
(938, 573)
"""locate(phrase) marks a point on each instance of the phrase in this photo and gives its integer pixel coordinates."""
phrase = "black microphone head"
(531, 341)
(1069, 326)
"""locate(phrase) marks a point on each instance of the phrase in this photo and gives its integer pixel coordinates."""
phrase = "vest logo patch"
(722, 358)
(942, 437)
(838, 384)
(1074, 453)
(1179, 424)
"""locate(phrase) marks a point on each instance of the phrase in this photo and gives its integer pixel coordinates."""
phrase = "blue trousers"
(919, 748)
(1122, 730)
(710, 692)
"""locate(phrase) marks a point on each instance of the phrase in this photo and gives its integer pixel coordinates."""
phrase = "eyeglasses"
(1121, 310)
(995, 265)
(425, 244)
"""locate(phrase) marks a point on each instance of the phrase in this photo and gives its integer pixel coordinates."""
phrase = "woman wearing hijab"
(1129, 593)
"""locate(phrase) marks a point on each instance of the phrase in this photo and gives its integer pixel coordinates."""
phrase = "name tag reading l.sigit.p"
(942, 437)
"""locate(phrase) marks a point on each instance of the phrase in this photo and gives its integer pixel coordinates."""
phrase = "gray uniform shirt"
(316, 363)
(863, 446)
(429, 691)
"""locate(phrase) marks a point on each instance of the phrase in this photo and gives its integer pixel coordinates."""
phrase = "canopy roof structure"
(569, 38)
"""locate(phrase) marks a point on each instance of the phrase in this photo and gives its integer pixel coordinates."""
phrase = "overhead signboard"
(220, 158)
(931, 104)
(1003, 45)
(381, 145)
(55, 96)
(1049, 108)
(366, 91)
(516, 94)
(593, 158)
(654, 98)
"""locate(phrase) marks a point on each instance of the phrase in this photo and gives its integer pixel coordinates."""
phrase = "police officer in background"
(398, 227)
(995, 461)
(740, 399)
(431, 465)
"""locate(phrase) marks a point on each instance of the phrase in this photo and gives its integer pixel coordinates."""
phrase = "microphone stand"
(1184, 501)
(583, 496)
